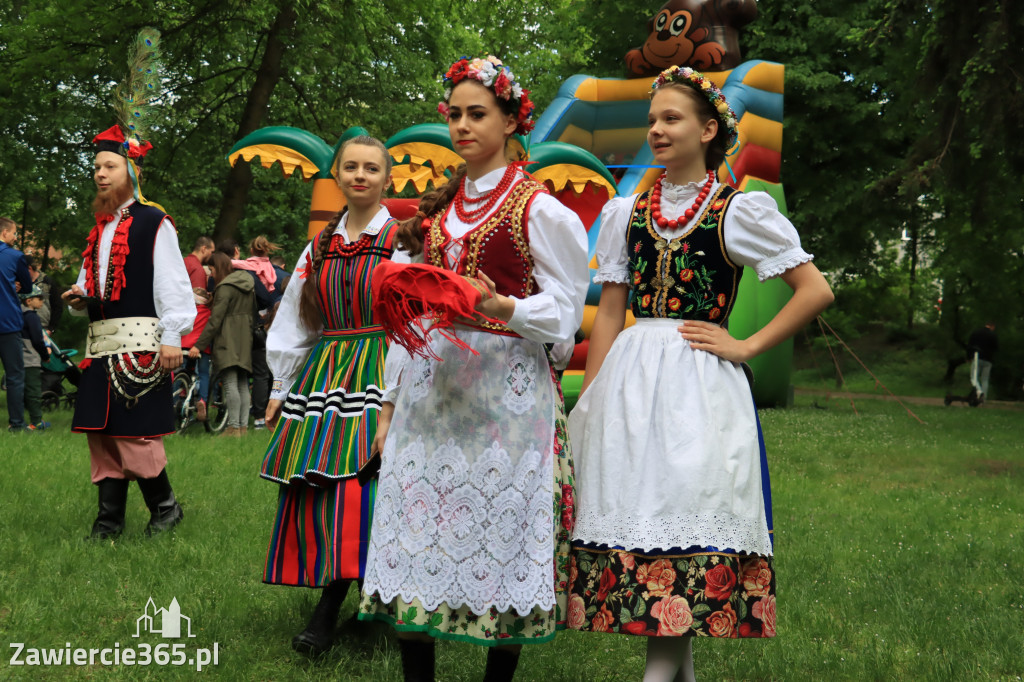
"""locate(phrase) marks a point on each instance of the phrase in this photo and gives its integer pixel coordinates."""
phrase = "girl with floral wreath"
(673, 529)
(473, 517)
(326, 353)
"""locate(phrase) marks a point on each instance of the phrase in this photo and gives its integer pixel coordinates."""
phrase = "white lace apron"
(463, 514)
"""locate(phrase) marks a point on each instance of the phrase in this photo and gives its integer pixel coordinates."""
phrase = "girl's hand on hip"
(714, 339)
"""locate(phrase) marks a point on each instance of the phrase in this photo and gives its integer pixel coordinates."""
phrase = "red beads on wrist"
(688, 214)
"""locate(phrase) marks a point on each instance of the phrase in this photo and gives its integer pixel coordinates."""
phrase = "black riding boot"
(501, 665)
(113, 496)
(318, 637)
(165, 512)
(417, 660)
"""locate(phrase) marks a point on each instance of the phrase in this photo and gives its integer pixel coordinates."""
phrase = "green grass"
(914, 365)
(898, 555)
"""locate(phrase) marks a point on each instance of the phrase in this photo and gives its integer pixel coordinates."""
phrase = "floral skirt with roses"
(709, 594)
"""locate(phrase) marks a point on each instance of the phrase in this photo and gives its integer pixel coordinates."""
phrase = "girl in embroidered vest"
(468, 538)
(327, 357)
(673, 530)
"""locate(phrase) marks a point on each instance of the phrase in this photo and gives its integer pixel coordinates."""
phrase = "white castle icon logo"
(164, 622)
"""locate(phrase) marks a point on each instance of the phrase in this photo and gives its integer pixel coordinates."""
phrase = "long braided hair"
(309, 305)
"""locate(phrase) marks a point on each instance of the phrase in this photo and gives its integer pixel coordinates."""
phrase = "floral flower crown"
(700, 83)
(493, 74)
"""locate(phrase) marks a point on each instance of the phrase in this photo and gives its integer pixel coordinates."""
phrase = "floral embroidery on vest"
(689, 276)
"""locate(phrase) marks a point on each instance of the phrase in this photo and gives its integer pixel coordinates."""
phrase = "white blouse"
(756, 234)
(558, 245)
(172, 290)
(289, 340)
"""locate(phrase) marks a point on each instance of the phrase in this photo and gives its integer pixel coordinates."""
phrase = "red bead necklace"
(470, 217)
(664, 222)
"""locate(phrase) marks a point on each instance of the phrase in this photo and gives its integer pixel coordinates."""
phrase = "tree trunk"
(236, 190)
(911, 289)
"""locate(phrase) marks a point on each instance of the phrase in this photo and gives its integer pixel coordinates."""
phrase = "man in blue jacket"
(14, 277)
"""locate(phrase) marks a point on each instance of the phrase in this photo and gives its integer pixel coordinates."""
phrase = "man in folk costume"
(135, 289)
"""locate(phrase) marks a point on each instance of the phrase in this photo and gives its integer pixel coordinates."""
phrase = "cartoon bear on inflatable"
(703, 34)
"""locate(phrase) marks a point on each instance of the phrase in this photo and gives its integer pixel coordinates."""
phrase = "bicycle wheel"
(49, 401)
(216, 408)
(181, 395)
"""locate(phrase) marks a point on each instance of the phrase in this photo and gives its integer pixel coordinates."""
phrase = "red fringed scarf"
(118, 255)
(411, 301)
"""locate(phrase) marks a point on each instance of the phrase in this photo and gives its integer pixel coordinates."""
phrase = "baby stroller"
(58, 368)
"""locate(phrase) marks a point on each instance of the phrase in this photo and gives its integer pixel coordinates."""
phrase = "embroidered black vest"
(137, 295)
(97, 409)
(687, 277)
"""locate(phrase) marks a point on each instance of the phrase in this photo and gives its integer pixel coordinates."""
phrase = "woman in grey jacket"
(229, 330)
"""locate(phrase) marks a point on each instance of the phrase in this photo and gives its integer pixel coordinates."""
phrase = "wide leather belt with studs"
(122, 335)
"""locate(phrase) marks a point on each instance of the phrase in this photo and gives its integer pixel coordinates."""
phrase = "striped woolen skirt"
(326, 429)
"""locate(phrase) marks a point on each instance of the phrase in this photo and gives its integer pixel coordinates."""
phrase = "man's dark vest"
(97, 408)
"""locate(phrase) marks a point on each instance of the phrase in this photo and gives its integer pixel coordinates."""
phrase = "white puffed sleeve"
(757, 235)
(289, 340)
(172, 290)
(611, 253)
(398, 357)
(558, 245)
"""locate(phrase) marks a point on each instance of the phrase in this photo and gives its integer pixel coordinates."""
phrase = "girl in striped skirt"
(327, 357)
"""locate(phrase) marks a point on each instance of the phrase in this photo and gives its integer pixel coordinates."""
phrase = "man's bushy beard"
(107, 202)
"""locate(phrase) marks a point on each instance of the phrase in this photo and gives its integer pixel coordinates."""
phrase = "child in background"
(258, 261)
(36, 353)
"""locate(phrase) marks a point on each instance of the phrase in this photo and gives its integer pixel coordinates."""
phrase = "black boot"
(417, 660)
(165, 512)
(113, 496)
(318, 637)
(501, 665)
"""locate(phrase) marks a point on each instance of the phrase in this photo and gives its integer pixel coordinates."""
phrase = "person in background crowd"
(280, 264)
(229, 332)
(36, 353)
(53, 307)
(259, 264)
(194, 264)
(981, 347)
(264, 298)
(14, 276)
(258, 261)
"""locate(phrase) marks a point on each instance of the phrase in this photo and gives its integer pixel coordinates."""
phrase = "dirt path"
(910, 400)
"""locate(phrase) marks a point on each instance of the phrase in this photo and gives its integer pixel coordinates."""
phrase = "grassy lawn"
(899, 557)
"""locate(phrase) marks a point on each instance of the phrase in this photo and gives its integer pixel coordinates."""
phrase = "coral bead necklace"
(471, 216)
(688, 215)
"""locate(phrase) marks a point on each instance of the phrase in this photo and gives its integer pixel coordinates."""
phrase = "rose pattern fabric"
(700, 595)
